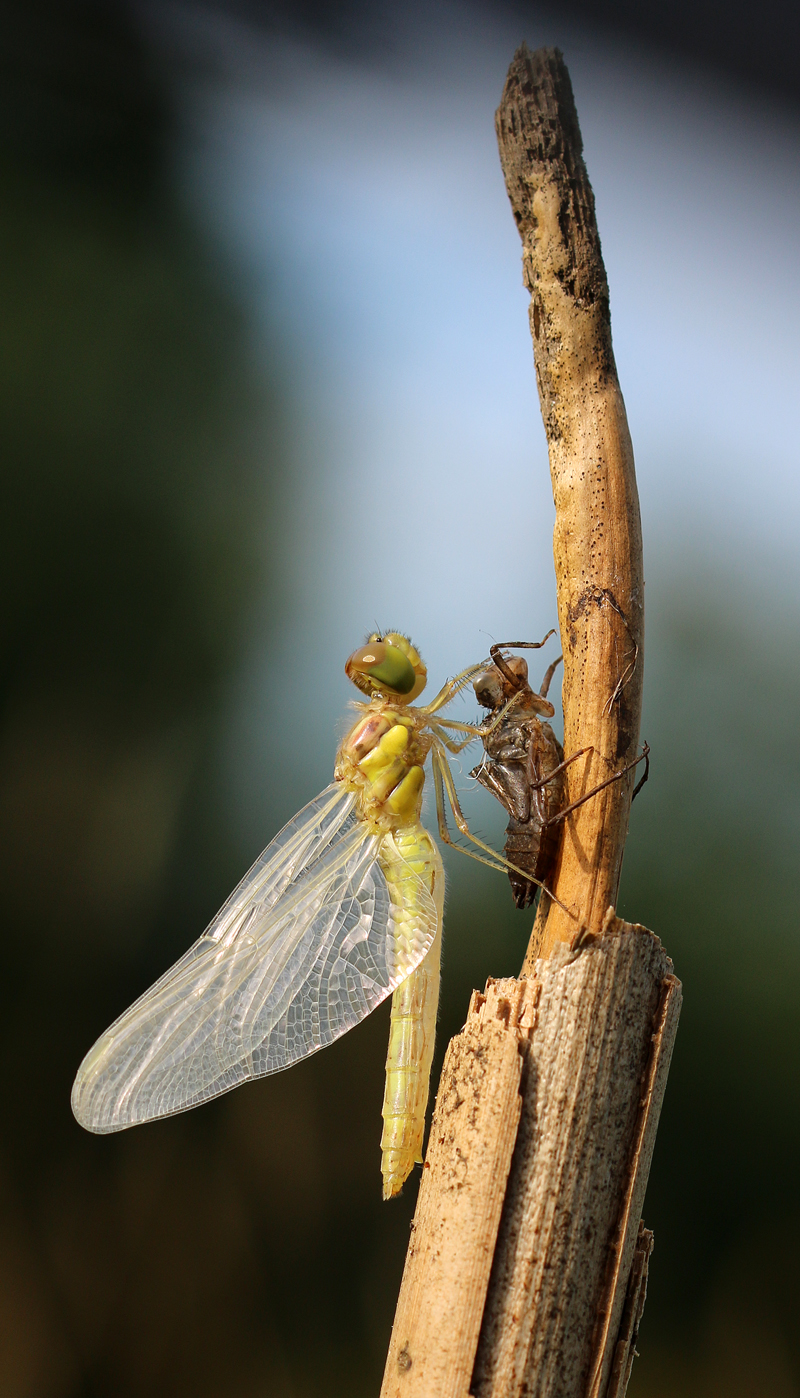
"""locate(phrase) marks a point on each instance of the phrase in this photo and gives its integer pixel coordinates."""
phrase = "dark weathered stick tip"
(541, 152)
(538, 82)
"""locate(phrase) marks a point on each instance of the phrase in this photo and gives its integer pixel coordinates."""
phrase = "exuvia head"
(389, 666)
(493, 688)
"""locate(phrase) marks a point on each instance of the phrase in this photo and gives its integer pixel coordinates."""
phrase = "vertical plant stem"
(597, 539)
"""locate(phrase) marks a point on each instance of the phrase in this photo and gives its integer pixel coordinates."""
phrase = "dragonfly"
(523, 766)
(342, 909)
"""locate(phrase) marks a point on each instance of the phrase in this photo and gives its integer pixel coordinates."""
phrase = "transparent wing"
(303, 950)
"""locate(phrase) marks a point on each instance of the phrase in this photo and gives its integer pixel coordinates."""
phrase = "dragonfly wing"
(302, 950)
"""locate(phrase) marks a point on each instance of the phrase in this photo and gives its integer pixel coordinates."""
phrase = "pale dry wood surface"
(597, 539)
(611, 1336)
(594, 1064)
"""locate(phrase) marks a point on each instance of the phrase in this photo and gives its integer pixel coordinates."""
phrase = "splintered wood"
(587, 1041)
(582, 1157)
(625, 1351)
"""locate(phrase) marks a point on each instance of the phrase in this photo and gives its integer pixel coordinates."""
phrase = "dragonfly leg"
(449, 743)
(644, 754)
(454, 686)
(500, 660)
(480, 730)
(560, 768)
(475, 730)
(451, 689)
(443, 778)
(439, 764)
(549, 676)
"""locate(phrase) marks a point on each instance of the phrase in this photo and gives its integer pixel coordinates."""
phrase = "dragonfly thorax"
(382, 759)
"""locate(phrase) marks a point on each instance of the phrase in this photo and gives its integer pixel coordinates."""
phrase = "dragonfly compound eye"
(489, 689)
(384, 667)
(379, 665)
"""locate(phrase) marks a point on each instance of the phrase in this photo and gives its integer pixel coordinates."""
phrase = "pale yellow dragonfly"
(342, 909)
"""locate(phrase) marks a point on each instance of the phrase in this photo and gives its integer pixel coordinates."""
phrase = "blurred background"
(266, 383)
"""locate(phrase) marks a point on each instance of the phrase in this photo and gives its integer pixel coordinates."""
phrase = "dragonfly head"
(389, 666)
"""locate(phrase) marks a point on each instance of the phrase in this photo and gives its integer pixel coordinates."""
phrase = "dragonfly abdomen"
(408, 857)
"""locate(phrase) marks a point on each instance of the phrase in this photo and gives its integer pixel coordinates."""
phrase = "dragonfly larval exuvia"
(523, 766)
(342, 909)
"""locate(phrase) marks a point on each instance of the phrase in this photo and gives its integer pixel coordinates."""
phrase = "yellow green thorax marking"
(406, 799)
(381, 760)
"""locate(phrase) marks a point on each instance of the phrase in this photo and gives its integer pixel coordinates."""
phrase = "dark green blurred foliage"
(712, 865)
(139, 457)
(243, 1249)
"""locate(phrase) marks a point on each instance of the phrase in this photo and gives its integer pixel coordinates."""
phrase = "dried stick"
(597, 540)
(549, 1102)
(625, 1351)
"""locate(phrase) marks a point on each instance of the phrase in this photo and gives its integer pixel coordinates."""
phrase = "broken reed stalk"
(517, 1278)
(527, 1267)
(597, 540)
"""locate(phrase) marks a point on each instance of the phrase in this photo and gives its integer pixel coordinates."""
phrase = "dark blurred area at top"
(756, 45)
(83, 101)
